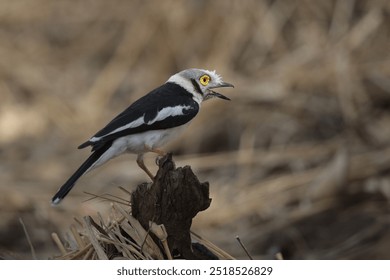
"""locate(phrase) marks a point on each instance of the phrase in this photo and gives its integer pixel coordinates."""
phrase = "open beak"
(216, 94)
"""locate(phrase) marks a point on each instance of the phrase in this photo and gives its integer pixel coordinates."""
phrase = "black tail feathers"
(65, 188)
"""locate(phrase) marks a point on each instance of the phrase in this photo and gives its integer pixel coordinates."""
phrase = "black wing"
(169, 95)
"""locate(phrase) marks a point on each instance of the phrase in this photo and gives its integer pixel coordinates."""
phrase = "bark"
(174, 198)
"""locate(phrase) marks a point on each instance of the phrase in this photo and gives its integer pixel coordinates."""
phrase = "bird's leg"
(161, 153)
(141, 164)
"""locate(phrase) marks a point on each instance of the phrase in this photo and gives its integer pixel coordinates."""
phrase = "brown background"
(298, 161)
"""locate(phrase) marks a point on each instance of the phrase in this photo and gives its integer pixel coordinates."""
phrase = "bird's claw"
(162, 159)
(159, 160)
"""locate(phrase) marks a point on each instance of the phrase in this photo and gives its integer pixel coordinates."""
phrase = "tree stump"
(173, 199)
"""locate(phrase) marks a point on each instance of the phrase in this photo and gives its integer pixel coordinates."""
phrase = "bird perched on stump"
(150, 122)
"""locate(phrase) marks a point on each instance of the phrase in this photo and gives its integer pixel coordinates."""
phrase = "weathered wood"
(173, 199)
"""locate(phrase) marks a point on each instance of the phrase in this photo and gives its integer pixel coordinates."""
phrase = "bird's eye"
(204, 80)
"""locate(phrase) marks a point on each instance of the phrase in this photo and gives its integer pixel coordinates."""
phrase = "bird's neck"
(187, 85)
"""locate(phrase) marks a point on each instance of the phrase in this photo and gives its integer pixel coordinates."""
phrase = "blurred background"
(298, 162)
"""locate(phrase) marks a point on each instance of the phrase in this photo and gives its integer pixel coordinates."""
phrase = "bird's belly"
(138, 143)
(154, 139)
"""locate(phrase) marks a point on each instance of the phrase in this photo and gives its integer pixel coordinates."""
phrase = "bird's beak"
(223, 84)
(216, 94)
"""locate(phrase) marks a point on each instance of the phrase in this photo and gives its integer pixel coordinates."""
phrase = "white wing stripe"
(135, 123)
(169, 112)
(161, 115)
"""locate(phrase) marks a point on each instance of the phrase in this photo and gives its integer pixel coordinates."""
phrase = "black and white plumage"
(150, 122)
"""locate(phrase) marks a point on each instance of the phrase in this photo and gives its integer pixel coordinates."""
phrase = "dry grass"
(122, 237)
(298, 162)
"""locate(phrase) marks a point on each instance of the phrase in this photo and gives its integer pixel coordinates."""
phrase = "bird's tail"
(65, 188)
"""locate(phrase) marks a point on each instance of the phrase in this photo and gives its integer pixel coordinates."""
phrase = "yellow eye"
(204, 80)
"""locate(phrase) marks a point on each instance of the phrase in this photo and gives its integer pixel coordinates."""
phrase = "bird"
(149, 123)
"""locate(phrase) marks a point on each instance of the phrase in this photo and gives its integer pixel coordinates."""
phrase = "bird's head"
(201, 83)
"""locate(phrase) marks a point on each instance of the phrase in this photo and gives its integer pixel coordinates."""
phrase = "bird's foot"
(158, 159)
(161, 159)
